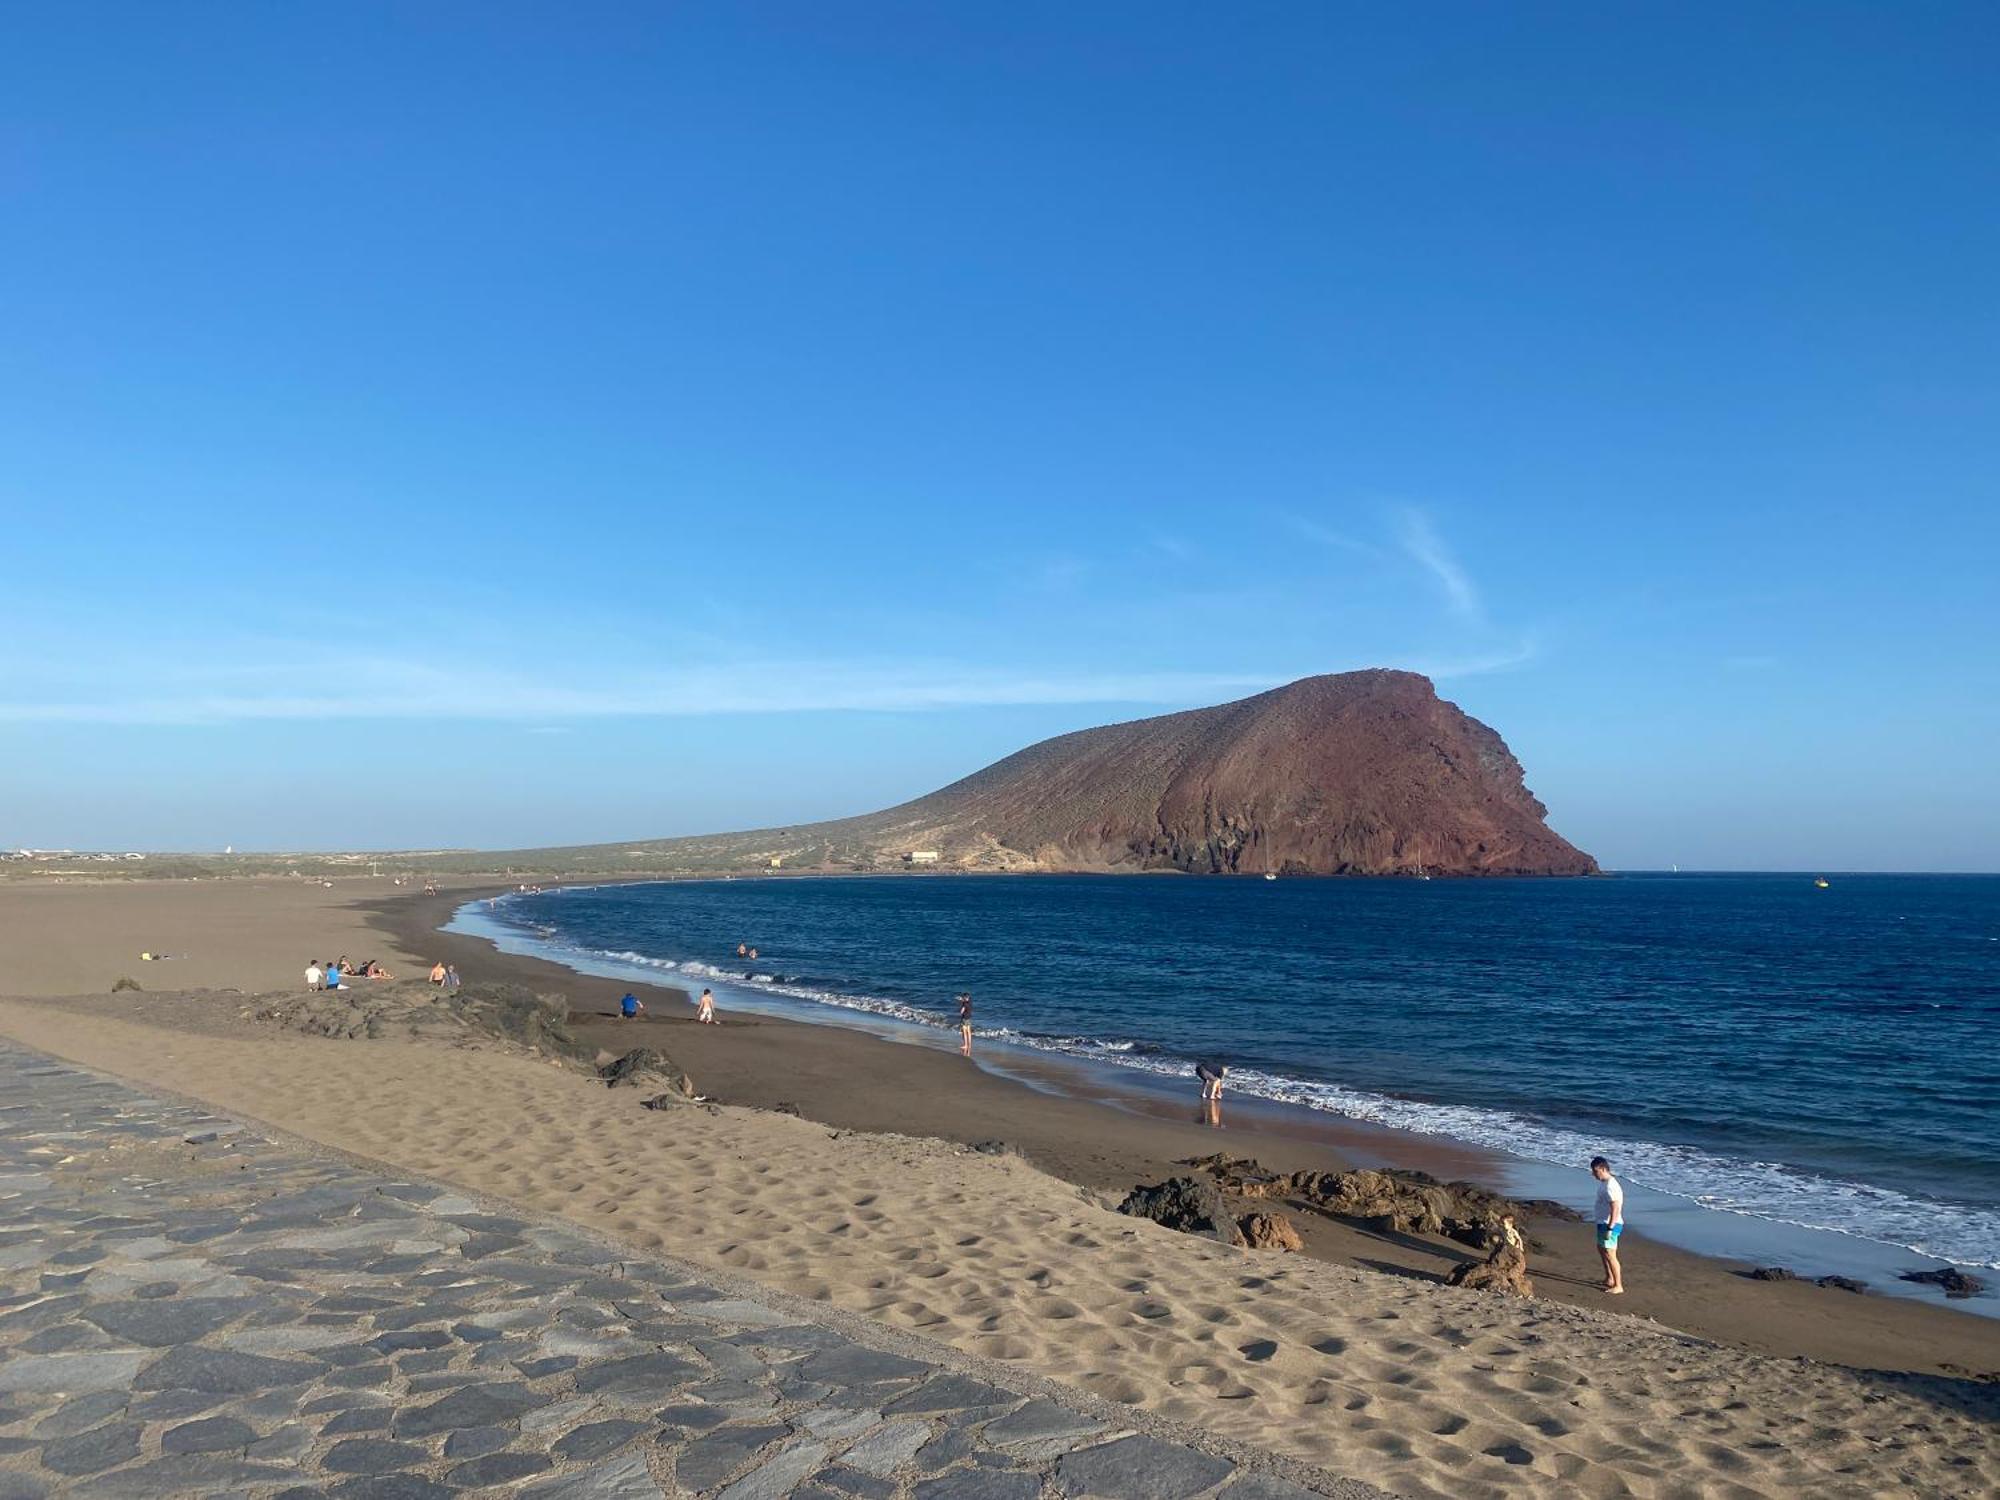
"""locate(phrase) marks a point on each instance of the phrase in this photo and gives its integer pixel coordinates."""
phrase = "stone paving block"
(842, 1481)
(476, 1442)
(886, 1450)
(209, 1435)
(498, 1468)
(854, 1365)
(474, 1406)
(598, 1439)
(100, 1448)
(951, 1393)
(80, 1413)
(623, 1478)
(1037, 1422)
(192, 1368)
(71, 1372)
(1264, 1487)
(777, 1476)
(1140, 1468)
(980, 1485)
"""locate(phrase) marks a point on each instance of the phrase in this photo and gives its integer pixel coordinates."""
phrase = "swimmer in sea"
(965, 1025)
(742, 950)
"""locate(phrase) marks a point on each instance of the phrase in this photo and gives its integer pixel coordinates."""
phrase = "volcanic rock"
(1403, 1202)
(1269, 1232)
(1186, 1204)
(1505, 1268)
(1956, 1283)
(644, 1067)
(1360, 773)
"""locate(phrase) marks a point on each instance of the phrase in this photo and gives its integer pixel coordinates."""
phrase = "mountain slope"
(1365, 773)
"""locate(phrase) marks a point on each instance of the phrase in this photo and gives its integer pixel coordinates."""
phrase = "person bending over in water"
(965, 1025)
(631, 1007)
(1610, 1224)
(1211, 1076)
(706, 1015)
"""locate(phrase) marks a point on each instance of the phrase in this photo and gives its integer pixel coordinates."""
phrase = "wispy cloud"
(372, 687)
(1421, 542)
(1328, 536)
(335, 687)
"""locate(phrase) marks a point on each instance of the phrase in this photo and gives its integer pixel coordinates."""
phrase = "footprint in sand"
(1331, 1348)
(1258, 1350)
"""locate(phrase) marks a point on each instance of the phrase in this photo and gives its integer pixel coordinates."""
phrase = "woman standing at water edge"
(1610, 1223)
(965, 1025)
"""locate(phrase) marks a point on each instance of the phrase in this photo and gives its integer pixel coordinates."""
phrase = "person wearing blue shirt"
(631, 1006)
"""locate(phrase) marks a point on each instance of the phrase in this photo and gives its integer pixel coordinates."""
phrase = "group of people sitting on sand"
(336, 972)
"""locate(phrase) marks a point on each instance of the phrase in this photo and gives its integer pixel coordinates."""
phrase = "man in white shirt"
(315, 976)
(1610, 1224)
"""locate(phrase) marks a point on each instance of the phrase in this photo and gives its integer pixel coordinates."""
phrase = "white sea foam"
(1965, 1235)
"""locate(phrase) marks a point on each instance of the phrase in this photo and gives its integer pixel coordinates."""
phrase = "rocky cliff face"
(1365, 773)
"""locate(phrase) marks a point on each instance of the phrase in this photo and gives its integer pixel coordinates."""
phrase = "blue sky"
(506, 424)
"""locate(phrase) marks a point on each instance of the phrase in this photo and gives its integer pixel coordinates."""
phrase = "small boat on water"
(1270, 874)
(1821, 881)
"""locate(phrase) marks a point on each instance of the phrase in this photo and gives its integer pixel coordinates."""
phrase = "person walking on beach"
(631, 1007)
(706, 1014)
(1610, 1224)
(451, 980)
(437, 973)
(965, 1025)
(315, 975)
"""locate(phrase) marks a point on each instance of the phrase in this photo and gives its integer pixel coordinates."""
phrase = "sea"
(1745, 1048)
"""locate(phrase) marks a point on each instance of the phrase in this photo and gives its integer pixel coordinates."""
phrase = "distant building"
(921, 857)
(777, 861)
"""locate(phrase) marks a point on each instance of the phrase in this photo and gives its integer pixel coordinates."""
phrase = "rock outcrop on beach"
(1187, 1204)
(1269, 1232)
(1363, 773)
(1505, 1268)
(1402, 1201)
(649, 1069)
(411, 1008)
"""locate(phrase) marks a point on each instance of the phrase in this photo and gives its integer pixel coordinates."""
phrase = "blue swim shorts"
(1607, 1235)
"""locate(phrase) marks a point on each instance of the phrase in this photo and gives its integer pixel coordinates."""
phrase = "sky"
(505, 424)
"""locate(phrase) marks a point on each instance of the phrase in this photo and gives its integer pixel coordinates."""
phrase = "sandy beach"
(1351, 1357)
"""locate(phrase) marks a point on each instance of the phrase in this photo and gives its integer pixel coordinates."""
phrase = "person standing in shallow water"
(706, 1014)
(965, 1025)
(1610, 1224)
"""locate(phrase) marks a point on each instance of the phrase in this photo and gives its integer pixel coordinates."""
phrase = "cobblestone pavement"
(191, 1309)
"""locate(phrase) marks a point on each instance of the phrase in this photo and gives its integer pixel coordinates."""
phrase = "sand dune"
(1424, 1391)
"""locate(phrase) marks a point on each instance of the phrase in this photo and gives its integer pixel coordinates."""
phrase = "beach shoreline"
(1107, 1131)
(860, 1194)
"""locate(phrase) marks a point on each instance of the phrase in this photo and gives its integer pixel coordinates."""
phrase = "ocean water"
(1751, 1043)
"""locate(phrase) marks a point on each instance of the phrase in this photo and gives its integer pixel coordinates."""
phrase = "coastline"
(1424, 1390)
(1107, 1132)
